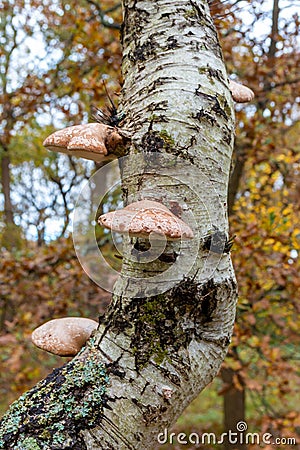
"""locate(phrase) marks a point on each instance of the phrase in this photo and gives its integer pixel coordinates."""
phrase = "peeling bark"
(169, 325)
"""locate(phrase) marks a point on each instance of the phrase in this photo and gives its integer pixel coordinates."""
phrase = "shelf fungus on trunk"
(65, 336)
(144, 217)
(240, 93)
(94, 141)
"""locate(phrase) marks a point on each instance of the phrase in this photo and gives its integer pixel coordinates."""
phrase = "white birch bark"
(169, 325)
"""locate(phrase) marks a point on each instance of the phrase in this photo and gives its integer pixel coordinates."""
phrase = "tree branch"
(102, 15)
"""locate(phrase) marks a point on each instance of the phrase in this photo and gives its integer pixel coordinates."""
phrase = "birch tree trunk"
(170, 322)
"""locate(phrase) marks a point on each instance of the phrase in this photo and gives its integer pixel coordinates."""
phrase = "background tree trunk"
(5, 181)
(11, 236)
(234, 406)
(169, 325)
(234, 397)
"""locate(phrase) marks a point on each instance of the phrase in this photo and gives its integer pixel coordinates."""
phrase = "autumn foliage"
(36, 286)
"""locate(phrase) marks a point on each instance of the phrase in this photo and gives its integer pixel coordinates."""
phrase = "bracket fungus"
(93, 141)
(144, 217)
(65, 336)
(240, 93)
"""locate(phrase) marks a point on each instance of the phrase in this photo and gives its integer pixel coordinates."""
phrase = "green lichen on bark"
(169, 141)
(162, 324)
(52, 414)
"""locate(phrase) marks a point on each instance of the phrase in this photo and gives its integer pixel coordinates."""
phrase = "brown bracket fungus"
(142, 218)
(64, 337)
(240, 93)
(93, 141)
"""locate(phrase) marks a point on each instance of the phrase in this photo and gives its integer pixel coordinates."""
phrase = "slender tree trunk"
(234, 406)
(235, 177)
(169, 325)
(6, 189)
(234, 398)
(274, 32)
(11, 236)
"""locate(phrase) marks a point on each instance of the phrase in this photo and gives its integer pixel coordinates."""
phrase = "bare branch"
(102, 15)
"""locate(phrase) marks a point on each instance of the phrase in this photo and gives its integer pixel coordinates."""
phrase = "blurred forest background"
(54, 56)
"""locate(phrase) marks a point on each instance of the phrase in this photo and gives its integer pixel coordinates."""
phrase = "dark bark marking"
(124, 193)
(151, 414)
(202, 115)
(115, 369)
(144, 51)
(152, 142)
(227, 136)
(157, 118)
(172, 43)
(216, 242)
(168, 258)
(176, 209)
(221, 110)
(212, 73)
(145, 387)
(215, 103)
(200, 13)
(161, 106)
(160, 82)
